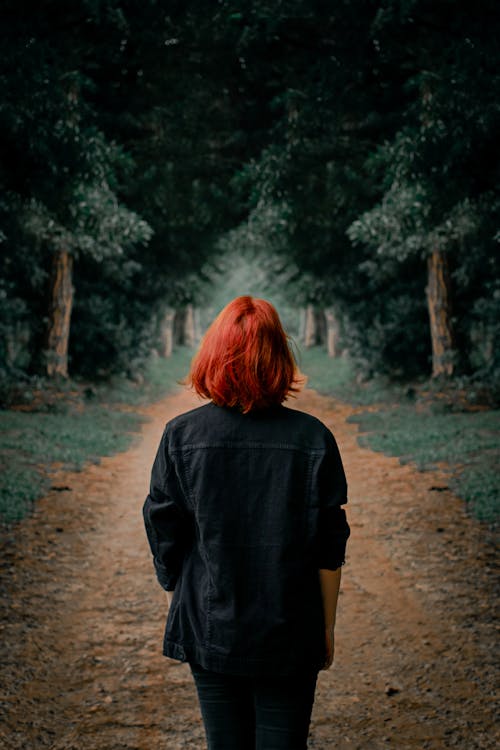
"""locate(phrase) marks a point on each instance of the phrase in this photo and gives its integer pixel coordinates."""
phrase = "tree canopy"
(349, 148)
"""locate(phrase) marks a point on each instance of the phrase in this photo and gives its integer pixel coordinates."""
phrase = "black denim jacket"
(242, 512)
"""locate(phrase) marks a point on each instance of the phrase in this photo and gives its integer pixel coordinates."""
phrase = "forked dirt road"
(83, 616)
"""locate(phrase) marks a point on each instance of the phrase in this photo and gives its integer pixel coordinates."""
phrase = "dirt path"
(82, 615)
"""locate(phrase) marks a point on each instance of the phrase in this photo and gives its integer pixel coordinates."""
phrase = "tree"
(348, 143)
(60, 172)
(439, 179)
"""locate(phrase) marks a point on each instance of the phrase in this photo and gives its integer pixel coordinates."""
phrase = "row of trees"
(348, 148)
(383, 176)
(112, 180)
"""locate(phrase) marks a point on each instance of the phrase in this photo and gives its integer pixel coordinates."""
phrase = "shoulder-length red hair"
(244, 359)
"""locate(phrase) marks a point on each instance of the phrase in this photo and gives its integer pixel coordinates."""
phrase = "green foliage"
(99, 162)
(335, 146)
(401, 225)
(61, 174)
(381, 153)
(100, 227)
(435, 178)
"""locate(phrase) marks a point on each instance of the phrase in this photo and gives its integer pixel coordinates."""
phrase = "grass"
(420, 425)
(337, 377)
(71, 425)
(468, 443)
(77, 423)
(161, 377)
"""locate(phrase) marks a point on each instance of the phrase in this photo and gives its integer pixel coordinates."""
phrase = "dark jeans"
(248, 713)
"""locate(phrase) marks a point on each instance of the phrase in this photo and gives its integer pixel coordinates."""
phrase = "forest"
(347, 151)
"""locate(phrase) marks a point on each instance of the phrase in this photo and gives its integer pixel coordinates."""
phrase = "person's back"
(246, 527)
(255, 485)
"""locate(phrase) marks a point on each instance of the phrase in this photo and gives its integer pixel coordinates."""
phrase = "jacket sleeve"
(167, 519)
(333, 530)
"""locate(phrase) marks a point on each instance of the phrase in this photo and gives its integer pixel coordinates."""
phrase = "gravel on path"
(82, 615)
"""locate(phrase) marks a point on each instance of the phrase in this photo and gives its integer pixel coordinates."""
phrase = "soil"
(82, 614)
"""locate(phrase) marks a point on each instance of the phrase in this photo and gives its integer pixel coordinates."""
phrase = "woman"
(248, 536)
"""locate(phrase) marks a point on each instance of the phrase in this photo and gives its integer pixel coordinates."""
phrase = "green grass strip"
(427, 432)
(467, 443)
(74, 427)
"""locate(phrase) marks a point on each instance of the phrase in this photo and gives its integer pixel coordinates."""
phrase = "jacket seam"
(308, 503)
(250, 444)
(194, 506)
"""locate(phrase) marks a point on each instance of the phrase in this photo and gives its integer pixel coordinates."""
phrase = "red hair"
(244, 359)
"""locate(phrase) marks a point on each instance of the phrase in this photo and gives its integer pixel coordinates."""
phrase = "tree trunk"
(60, 304)
(302, 324)
(167, 333)
(320, 338)
(197, 325)
(189, 326)
(332, 333)
(310, 327)
(439, 305)
(179, 326)
(17, 345)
